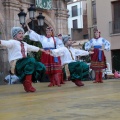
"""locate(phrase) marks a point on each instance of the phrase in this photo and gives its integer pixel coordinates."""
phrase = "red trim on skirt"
(51, 66)
(95, 64)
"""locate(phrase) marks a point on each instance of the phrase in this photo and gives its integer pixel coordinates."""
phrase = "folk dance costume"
(53, 64)
(98, 59)
(78, 70)
(27, 69)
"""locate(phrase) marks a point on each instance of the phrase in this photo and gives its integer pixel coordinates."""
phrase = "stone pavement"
(68, 102)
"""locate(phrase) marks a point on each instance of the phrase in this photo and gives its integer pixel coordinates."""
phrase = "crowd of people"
(57, 55)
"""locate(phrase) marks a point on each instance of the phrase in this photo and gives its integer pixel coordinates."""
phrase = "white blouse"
(95, 42)
(14, 49)
(46, 42)
(68, 56)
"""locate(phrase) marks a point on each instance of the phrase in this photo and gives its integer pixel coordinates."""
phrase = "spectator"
(11, 79)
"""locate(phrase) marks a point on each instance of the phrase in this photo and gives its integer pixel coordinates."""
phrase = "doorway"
(116, 59)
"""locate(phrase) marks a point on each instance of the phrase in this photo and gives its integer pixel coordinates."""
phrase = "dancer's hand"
(91, 52)
(47, 52)
(92, 48)
(42, 50)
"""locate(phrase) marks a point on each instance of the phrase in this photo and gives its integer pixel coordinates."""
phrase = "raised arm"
(28, 28)
(33, 35)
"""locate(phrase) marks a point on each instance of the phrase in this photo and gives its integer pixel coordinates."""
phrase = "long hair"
(52, 34)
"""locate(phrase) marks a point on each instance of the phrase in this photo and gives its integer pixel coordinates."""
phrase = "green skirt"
(29, 66)
(78, 71)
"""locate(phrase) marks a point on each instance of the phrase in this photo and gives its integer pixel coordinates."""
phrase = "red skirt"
(95, 63)
(52, 67)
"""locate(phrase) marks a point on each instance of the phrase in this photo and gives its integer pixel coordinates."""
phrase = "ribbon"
(99, 52)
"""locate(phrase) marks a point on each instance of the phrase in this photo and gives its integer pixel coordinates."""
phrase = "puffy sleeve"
(81, 52)
(88, 45)
(7, 43)
(58, 52)
(106, 44)
(31, 48)
(34, 36)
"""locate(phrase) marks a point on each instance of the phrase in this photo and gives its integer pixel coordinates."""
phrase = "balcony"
(114, 27)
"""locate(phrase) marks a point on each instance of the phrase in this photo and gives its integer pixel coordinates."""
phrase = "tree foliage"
(85, 58)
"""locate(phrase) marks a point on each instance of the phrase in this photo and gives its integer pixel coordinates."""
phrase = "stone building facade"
(104, 15)
(9, 9)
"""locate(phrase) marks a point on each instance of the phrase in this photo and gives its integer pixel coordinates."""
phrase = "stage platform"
(68, 102)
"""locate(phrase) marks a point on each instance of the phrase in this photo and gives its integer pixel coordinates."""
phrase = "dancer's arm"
(81, 52)
(32, 48)
(7, 43)
(88, 45)
(28, 28)
(58, 52)
(33, 35)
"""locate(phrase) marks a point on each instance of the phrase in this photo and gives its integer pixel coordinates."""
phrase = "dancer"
(98, 59)
(27, 69)
(59, 41)
(53, 64)
(78, 70)
(60, 36)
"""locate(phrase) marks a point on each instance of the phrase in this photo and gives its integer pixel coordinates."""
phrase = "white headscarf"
(66, 38)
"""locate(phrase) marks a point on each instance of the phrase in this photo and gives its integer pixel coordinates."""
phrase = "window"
(75, 24)
(74, 11)
(85, 36)
(116, 10)
(116, 17)
(94, 13)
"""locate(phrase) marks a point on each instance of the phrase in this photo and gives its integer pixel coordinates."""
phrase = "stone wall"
(4, 64)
